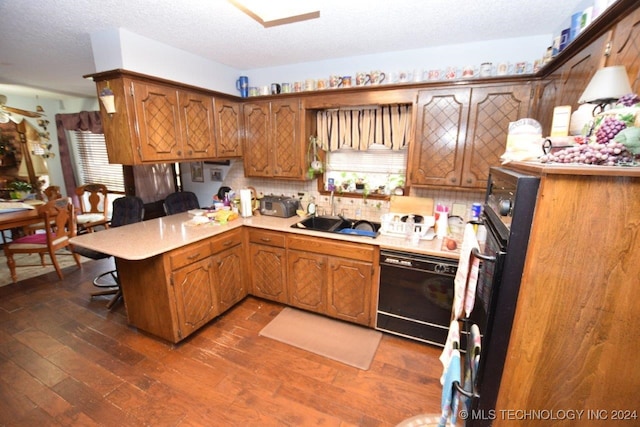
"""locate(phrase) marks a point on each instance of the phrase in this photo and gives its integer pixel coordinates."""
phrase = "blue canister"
(476, 210)
(242, 84)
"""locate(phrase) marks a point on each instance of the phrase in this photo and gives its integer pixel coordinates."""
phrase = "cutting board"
(411, 205)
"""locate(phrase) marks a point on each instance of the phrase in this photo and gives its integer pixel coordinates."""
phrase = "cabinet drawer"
(355, 251)
(226, 241)
(270, 238)
(190, 254)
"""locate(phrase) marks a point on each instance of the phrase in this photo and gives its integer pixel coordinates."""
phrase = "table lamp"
(606, 87)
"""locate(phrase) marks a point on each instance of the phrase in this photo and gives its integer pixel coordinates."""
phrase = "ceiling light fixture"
(277, 12)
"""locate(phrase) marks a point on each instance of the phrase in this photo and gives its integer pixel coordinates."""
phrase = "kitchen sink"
(337, 224)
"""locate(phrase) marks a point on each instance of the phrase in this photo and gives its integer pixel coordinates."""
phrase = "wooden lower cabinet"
(229, 276)
(174, 294)
(332, 278)
(574, 337)
(349, 290)
(196, 301)
(307, 285)
(315, 274)
(268, 265)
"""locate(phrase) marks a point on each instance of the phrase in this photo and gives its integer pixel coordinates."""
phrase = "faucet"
(332, 204)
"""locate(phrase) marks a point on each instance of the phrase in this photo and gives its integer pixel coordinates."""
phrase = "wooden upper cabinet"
(492, 108)
(287, 147)
(196, 125)
(461, 132)
(625, 47)
(157, 122)
(173, 125)
(442, 116)
(274, 146)
(228, 128)
(565, 85)
(257, 151)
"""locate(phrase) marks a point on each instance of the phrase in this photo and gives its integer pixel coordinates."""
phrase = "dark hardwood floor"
(66, 360)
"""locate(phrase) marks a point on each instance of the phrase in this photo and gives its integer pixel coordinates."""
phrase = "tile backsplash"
(358, 208)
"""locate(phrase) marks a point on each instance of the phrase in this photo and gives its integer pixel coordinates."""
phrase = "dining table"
(17, 214)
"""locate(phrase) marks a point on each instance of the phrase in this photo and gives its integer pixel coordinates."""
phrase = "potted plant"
(20, 189)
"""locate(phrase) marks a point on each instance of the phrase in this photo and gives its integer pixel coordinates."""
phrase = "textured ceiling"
(46, 43)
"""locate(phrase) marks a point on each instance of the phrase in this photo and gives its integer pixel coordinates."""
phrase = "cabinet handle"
(179, 153)
(194, 256)
(227, 243)
(469, 180)
(265, 239)
(190, 152)
(453, 180)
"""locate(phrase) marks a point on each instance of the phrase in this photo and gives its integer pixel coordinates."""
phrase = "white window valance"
(360, 128)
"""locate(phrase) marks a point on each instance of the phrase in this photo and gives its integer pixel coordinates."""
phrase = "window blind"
(92, 163)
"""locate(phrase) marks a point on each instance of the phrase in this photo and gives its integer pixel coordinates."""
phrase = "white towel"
(453, 342)
(467, 275)
(449, 401)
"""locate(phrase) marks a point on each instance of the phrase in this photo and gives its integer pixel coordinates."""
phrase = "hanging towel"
(449, 402)
(471, 363)
(467, 274)
(452, 343)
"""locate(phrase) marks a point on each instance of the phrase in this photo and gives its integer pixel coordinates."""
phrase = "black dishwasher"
(416, 296)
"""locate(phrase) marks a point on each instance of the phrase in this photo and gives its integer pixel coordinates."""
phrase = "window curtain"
(359, 128)
(84, 120)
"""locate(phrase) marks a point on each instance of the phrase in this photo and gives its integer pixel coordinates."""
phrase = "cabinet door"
(257, 150)
(157, 122)
(349, 290)
(625, 48)
(196, 301)
(441, 127)
(565, 85)
(285, 137)
(268, 272)
(230, 286)
(196, 124)
(492, 108)
(307, 277)
(228, 126)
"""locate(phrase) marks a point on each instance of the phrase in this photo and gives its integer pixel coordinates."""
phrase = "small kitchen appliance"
(280, 206)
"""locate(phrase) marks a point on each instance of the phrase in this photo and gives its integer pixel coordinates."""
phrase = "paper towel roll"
(442, 225)
(245, 202)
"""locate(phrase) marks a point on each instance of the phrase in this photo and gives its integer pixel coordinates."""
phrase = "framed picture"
(197, 174)
(216, 174)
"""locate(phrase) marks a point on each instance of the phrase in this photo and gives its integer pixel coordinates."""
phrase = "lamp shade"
(608, 84)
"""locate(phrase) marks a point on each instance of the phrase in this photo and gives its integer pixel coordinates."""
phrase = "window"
(91, 162)
(366, 147)
(371, 172)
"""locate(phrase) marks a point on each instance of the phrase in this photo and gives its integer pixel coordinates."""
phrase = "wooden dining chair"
(94, 207)
(60, 214)
(52, 192)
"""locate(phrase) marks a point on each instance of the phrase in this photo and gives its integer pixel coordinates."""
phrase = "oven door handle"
(476, 253)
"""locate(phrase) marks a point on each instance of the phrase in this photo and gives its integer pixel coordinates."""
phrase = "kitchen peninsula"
(158, 257)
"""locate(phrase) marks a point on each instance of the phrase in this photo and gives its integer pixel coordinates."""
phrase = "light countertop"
(153, 237)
